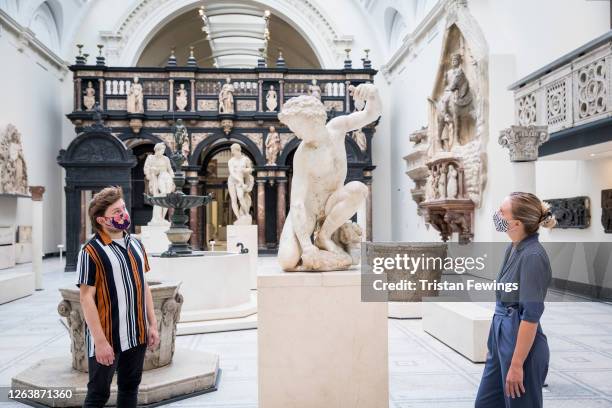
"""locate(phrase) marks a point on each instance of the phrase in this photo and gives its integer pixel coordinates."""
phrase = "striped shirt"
(117, 273)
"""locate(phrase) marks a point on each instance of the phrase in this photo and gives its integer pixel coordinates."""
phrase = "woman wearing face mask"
(518, 355)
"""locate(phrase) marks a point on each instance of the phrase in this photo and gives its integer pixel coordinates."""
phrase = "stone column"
(194, 215)
(73, 226)
(261, 213)
(101, 94)
(37, 234)
(281, 94)
(79, 94)
(281, 205)
(523, 143)
(260, 95)
(193, 99)
(171, 87)
(347, 97)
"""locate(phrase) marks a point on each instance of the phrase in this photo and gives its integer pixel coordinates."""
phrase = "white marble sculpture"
(451, 182)
(272, 147)
(271, 99)
(181, 98)
(320, 202)
(135, 98)
(240, 184)
(159, 174)
(226, 97)
(89, 99)
(13, 169)
(314, 89)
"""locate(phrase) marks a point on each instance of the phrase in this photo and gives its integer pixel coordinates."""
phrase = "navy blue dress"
(528, 265)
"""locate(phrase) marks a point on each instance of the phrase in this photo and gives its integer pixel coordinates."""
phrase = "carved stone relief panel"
(527, 113)
(338, 106)
(285, 138)
(13, 168)
(197, 138)
(256, 138)
(416, 162)
(246, 105)
(606, 210)
(157, 104)
(116, 104)
(207, 105)
(168, 138)
(591, 89)
(556, 103)
(574, 212)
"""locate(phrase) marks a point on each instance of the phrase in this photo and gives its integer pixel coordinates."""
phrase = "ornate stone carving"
(556, 103)
(240, 184)
(246, 105)
(337, 106)
(606, 210)
(271, 99)
(157, 105)
(13, 168)
(286, 138)
(417, 167)
(227, 125)
(572, 212)
(89, 99)
(226, 97)
(256, 138)
(158, 172)
(135, 98)
(207, 105)
(523, 141)
(181, 98)
(360, 138)
(273, 147)
(592, 89)
(116, 104)
(197, 138)
(527, 110)
(167, 302)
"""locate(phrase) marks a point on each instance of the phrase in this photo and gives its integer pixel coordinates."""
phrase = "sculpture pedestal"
(215, 287)
(318, 344)
(154, 238)
(247, 234)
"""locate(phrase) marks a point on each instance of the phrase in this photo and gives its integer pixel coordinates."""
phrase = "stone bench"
(15, 285)
(462, 326)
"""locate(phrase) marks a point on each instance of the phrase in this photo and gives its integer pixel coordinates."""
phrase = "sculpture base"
(318, 344)
(405, 310)
(247, 234)
(154, 238)
(190, 373)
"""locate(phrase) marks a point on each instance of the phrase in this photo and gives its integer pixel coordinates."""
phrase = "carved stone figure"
(606, 210)
(453, 103)
(240, 184)
(13, 169)
(135, 98)
(89, 99)
(314, 89)
(271, 99)
(451, 182)
(226, 97)
(181, 138)
(181, 98)
(320, 202)
(158, 172)
(360, 138)
(442, 183)
(272, 147)
(574, 212)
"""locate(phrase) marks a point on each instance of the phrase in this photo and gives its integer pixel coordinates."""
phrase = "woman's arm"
(524, 340)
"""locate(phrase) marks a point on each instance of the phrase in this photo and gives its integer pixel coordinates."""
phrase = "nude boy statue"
(320, 202)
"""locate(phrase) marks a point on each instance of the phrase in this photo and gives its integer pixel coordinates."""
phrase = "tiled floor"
(424, 373)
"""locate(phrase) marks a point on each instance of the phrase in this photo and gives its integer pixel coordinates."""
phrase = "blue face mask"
(501, 225)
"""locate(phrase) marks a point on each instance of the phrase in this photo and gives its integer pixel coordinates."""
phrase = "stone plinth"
(318, 344)
(247, 235)
(154, 238)
(215, 286)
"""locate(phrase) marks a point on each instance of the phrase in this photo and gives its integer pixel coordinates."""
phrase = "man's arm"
(359, 119)
(104, 352)
(153, 334)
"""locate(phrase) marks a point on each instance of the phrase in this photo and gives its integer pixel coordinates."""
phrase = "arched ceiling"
(236, 35)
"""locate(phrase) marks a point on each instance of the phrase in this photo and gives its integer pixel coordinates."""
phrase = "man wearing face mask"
(116, 302)
(518, 353)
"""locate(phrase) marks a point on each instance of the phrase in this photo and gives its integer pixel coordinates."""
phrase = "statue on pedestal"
(13, 169)
(320, 202)
(158, 172)
(226, 97)
(181, 98)
(135, 98)
(240, 184)
(272, 147)
(314, 89)
(89, 99)
(271, 99)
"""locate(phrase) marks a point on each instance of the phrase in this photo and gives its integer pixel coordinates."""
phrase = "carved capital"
(523, 141)
(37, 192)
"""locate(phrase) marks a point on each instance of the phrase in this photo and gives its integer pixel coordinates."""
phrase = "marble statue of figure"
(455, 98)
(135, 98)
(240, 184)
(272, 147)
(314, 89)
(442, 184)
(271, 99)
(159, 174)
(181, 98)
(451, 182)
(13, 169)
(320, 202)
(89, 99)
(226, 97)
(434, 185)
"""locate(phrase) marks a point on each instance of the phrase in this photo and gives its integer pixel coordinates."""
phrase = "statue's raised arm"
(364, 93)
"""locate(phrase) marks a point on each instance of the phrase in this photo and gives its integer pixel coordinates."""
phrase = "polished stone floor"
(424, 373)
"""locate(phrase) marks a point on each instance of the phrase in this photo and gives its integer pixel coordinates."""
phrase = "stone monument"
(13, 169)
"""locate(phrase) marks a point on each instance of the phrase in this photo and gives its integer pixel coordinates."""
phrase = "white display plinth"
(462, 326)
(405, 310)
(215, 288)
(318, 344)
(154, 238)
(15, 285)
(23, 252)
(247, 234)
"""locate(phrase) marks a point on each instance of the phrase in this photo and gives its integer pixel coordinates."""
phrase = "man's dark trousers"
(128, 365)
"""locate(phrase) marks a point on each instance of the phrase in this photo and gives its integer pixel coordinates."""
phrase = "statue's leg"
(340, 207)
(231, 188)
(289, 251)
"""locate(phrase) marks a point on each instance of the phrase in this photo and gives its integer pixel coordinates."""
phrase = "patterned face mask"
(120, 221)
(501, 225)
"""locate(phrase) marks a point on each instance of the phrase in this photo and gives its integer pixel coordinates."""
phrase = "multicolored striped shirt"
(117, 273)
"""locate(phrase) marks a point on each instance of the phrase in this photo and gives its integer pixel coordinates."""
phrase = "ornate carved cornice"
(523, 141)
